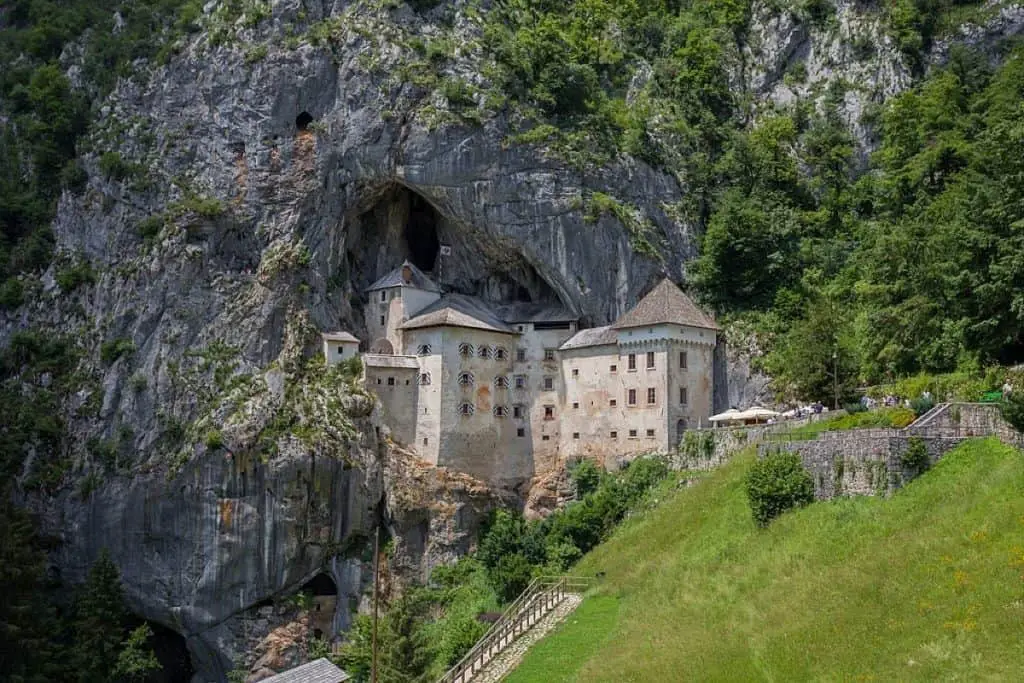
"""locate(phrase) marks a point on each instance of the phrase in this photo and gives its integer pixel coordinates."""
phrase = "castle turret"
(394, 299)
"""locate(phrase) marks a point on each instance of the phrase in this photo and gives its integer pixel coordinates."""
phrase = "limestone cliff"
(280, 163)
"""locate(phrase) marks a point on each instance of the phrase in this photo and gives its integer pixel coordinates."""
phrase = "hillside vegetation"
(925, 585)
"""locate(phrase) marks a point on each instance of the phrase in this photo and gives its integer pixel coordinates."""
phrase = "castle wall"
(430, 391)
(393, 380)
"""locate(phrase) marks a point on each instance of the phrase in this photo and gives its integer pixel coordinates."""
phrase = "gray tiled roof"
(458, 310)
(666, 303)
(380, 360)
(595, 336)
(533, 313)
(339, 336)
(317, 671)
(419, 280)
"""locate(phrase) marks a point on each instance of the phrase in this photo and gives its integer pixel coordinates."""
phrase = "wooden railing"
(540, 597)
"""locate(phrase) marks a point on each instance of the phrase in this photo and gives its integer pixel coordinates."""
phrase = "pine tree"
(98, 623)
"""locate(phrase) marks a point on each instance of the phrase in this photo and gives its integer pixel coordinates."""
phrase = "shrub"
(74, 276)
(510, 576)
(116, 348)
(1012, 409)
(916, 456)
(149, 228)
(854, 408)
(585, 477)
(112, 165)
(921, 405)
(213, 439)
(777, 483)
(12, 293)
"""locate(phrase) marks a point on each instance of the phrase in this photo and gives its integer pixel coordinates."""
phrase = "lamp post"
(835, 379)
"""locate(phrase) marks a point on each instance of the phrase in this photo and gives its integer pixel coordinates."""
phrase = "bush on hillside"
(916, 456)
(777, 483)
(1012, 409)
(585, 477)
(921, 405)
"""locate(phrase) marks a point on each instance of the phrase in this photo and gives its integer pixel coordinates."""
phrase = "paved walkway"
(509, 658)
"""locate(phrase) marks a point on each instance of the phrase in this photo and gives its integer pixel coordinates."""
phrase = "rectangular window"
(683, 396)
(651, 396)
(613, 403)
(549, 383)
(545, 438)
(631, 361)
(575, 372)
(650, 360)
(520, 432)
(520, 355)
(382, 321)
(631, 397)
(549, 354)
(632, 433)
(613, 434)
(575, 406)
(613, 368)
(549, 412)
(682, 360)
(425, 441)
(650, 433)
(384, 296)
(378, 380)
(520, 381)
(517, 411)
(575, 435)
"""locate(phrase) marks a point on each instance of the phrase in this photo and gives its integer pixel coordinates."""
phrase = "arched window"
(424, 379)
(423, 350)
(484, 351)
(466, 350)
(500, 411)
(466, 409)
(500, 353)
(466, 379)
(501, 381)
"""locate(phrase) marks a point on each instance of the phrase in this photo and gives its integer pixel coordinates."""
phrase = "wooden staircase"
(542, 596)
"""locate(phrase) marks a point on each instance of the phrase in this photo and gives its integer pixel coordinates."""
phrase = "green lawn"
(880, 417)
(558, 657)
(926, 585)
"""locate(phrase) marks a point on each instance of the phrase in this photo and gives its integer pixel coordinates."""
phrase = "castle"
(505, 391)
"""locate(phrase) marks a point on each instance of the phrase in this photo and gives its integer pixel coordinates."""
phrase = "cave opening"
(321, 585)
(172, 653)
(303, 120)
(421, 233)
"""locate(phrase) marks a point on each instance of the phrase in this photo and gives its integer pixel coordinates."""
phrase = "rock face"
(282, 168)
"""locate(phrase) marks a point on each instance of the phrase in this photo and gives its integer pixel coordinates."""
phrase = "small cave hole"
(171, 652)
(303, 120)
(421, 233)
(321, 584)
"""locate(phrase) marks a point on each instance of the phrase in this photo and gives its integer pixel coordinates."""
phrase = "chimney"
(406, 273)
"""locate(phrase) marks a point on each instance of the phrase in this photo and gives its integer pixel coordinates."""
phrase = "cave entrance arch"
(171, 653)
(324, 592)
(421, 233)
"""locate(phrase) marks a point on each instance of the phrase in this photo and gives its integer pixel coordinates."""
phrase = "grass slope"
(926, 585)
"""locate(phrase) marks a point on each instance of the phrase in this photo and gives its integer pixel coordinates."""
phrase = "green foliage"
(776, 483)
(136, 659)
(214, 439)
(99, 613)
(1012, 409)
(76, 275)
(116, 348)
(916, 456)
(585, 477)
(113, 166)
(921, 405)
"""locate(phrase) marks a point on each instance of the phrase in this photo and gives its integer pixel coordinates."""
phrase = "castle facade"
(506, 391)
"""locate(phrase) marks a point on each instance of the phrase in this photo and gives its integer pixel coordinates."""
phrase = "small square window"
(520, 432)
(575, 435)
(652, 396)
(632, 433)
(517, 411)
(575, 372)
(613, 434)
(520, 381)
(650, 360)
(613, 403)
(613, 368)
(575, 405)
(650, 433)
(545, 438)
(682, 359)
(549, 354)
(520, 355)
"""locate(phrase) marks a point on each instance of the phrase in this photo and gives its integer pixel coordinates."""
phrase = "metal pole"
(835, 380)
(376, 576)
